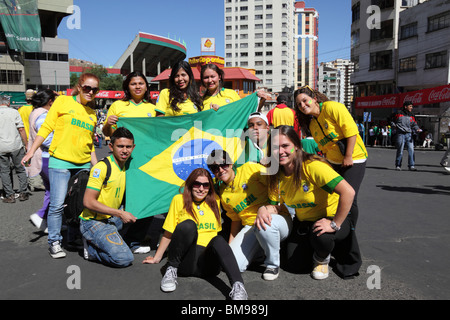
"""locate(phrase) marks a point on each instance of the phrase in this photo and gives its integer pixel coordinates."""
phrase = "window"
(355, 12)
(385, 32)
(439, 21)
(244, 8)
(355, 38)
(11, 76)
(383, 4)
(408, 31)
(436, 60)
(258, 16)
(381, 60)
(269, 16)
(407, 64)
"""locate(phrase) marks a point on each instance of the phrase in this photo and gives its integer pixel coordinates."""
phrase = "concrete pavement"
(403, 233)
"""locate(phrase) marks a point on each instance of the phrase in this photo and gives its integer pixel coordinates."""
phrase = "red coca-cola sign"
(419, 97)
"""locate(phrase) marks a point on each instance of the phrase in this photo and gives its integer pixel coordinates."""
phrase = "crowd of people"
(226, 215)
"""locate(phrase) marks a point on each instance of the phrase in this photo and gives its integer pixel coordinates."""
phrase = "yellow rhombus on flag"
(169, 148)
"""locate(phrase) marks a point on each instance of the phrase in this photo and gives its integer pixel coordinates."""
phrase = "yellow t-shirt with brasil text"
(73, 125)
(163, 105)
(129, 109)
(207, 225)
(315, 198)
(110, 195)
(248, 191)
(224, 97)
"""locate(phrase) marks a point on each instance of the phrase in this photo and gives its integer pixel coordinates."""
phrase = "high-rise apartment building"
(260, 35)
(307, 45)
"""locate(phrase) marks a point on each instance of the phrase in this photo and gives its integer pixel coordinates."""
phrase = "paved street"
(403, 232)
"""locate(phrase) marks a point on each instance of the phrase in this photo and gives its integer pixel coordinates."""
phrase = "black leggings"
(195, 260)
(303, 243)
(354, 176)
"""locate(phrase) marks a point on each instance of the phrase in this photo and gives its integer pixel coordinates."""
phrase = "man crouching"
(102, 219)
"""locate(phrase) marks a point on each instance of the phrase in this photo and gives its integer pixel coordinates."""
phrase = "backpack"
(73, 203)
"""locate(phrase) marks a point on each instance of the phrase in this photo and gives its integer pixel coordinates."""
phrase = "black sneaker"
(270, 273)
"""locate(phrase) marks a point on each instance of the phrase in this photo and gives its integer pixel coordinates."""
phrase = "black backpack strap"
(108, 170)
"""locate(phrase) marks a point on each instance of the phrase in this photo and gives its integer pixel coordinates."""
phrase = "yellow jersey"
(335, 123)
(74, 126)
(25, 111)
(207, 225)
(248, 191)
(129, 109)
(225, 96)
(110, 195)
(315, 198)
(163, 105)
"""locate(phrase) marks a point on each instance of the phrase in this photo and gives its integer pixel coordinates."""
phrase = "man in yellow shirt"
(102, 219)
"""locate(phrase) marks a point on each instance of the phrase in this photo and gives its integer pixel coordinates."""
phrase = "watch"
(334, 226)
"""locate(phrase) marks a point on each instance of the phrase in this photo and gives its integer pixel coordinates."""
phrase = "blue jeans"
(59, 178)
(249, 240)
(105, 243)
(403, 138)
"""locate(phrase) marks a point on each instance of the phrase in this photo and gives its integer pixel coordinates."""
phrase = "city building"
(259, 35)
(406, 58)
(334, 80)
(306, 45)
(48, 68)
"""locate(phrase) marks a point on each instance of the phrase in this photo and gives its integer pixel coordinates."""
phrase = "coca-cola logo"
(389, 101)
(441, 95)
(415, 98)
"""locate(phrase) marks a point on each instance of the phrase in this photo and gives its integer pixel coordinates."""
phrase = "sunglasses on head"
(198, 184)
(87, 89)
(215, 167)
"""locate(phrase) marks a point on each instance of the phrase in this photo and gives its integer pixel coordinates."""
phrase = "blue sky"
(107, 27)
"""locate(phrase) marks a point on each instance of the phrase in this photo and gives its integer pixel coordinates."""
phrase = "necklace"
(198, 204)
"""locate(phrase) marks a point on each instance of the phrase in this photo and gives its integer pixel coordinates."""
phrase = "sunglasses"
(87, 89)
(215, 167)
(198, 184)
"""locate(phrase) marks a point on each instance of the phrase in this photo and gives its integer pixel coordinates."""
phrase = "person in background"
(102, 218)
(25, 111)
(42, 102)
(72, 120)
(336, 133)
(13, 141)
(322, 200)
(428, 139)
(405, 122)
(191, 235)
(182, 97)
(283, 115)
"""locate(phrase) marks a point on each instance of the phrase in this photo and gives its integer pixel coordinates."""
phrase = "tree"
(107, 81)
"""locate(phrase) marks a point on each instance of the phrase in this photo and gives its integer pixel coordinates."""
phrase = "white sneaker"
(38, 221)
(86, 254)
(56, 251)
(138, 249)
(169, 281)
(238, 292)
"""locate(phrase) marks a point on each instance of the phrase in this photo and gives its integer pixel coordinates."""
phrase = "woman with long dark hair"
(182, 97)
(191, 235)
(135, 103)
(337, 136)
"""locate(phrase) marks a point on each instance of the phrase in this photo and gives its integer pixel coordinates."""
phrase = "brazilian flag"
(169, 148)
